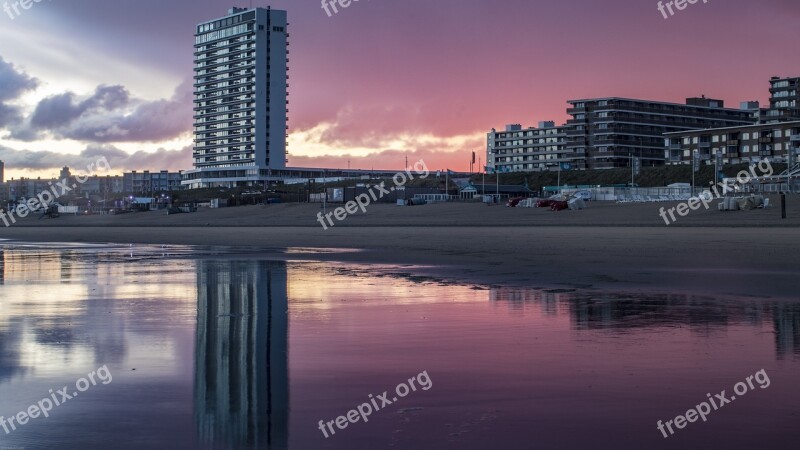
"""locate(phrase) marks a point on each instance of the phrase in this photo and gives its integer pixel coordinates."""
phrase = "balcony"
(765, 140)
(795, 138)
(704, 145)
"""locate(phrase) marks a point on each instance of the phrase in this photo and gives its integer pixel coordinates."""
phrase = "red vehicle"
(544, 203)
(559, 206)
(512, 203)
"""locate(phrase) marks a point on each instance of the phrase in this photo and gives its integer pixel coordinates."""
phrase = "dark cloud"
(119, 160)
(9, 115)
(109, 115)
(63, 109)
(13, 84)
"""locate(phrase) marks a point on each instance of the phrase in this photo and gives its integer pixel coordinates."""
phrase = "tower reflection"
(241, 388)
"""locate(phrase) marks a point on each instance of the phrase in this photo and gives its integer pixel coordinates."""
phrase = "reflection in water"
(527, 366)
(241, 364)
(786, 319)
(599, 311)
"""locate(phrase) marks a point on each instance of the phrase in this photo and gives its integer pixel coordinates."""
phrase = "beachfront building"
(529, 150)
(24, 188)
(240, 98)
(151, 182)
(101, 185)
(784, 101)
(607, 132)
(773, 141)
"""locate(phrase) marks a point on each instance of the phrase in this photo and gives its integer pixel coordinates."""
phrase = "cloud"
(311, 148)
(62, 109)
(13, 84)
(109, 115)
(119, 160)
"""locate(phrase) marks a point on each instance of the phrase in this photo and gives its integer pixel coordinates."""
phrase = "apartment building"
(607, 132)
(784, 101)
(526, 150)
(151, 182)
(777, 142)
(774, 137)
(240, 98)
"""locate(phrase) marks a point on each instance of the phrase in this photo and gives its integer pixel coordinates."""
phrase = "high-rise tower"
(240, 98)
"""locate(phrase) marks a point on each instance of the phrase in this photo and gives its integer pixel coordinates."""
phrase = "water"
(231, 348)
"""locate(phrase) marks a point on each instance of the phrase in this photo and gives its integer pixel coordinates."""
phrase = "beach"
(621, 247)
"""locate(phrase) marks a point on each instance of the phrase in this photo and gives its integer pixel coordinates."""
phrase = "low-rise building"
(528, 150)
(608, 132)
(777, 142)
(151, 182)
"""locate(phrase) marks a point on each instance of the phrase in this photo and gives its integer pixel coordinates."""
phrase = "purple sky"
(378, 80)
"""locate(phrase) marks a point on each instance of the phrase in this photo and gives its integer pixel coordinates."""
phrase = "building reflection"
(597, 311)
(241, 388)
(786, 319)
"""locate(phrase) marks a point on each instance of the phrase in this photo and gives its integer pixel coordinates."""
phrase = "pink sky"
(382, 79)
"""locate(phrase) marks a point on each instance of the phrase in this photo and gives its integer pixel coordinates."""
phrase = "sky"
(377, 82)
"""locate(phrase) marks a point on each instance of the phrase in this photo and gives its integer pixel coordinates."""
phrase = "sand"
(608, 247)
(606, 214)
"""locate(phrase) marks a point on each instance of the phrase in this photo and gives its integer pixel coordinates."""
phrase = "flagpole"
(483, 185)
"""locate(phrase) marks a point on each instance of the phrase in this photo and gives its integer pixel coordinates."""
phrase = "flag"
(566, 166)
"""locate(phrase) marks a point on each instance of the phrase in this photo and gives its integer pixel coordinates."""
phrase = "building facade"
(607, 132)
(776, 142)
(531, 149)
(240, 98)
(784, 100)
(775, 137)
(151, 182)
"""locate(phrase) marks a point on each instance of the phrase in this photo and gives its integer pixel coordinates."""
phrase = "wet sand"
(737, 262)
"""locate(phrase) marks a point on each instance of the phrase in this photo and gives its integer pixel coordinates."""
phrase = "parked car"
(514, 202)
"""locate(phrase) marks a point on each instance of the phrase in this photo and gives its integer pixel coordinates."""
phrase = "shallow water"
(221, 348)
